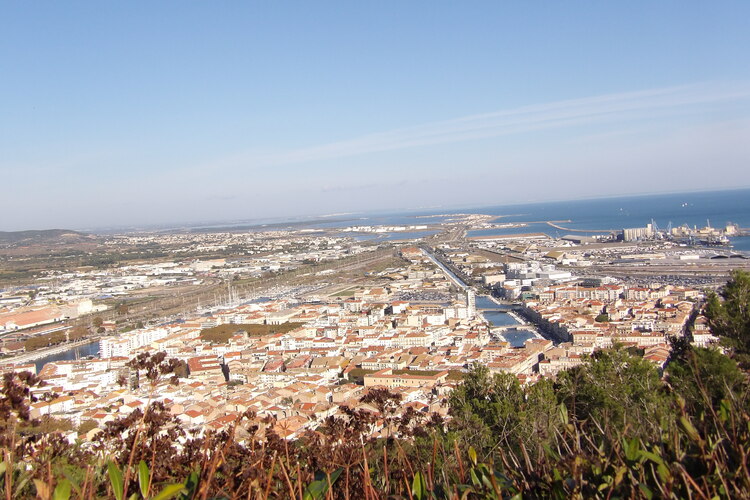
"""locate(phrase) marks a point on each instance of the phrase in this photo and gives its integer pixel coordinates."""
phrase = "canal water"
(497, 315)
(77, 352)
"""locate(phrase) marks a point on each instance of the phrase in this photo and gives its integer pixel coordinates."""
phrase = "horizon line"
(208, 224)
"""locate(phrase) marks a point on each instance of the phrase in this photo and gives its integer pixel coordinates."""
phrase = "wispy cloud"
(619, 108)
(612, 107)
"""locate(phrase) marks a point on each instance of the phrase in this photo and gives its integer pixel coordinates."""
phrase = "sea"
(717, 209)
(696, 209)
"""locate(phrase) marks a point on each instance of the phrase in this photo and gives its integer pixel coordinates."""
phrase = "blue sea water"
(694, 209)
(599, 213)
(719, 207)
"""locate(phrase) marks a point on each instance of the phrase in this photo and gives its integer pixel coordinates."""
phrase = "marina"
(64, 352)
(79, 351)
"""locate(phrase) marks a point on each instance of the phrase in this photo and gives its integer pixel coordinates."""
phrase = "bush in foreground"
(611, 428)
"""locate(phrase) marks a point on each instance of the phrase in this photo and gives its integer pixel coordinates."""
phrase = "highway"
(452, 277)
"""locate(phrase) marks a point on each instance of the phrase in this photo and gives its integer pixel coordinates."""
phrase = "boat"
(713, 241)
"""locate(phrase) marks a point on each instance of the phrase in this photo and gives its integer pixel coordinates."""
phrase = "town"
(299, 326)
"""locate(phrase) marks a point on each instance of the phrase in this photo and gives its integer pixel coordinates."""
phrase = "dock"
(561, 228)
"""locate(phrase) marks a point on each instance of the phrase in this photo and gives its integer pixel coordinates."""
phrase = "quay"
(43, 353)
(528, 328)
(561, 228)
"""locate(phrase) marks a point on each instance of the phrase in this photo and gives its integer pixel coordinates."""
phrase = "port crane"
(655, 228)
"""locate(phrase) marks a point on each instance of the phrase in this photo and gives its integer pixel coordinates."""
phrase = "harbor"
(63, 352)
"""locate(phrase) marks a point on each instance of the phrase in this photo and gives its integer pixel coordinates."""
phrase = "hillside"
(40, 236)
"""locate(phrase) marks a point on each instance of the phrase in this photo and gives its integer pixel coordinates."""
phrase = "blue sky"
(158, 112)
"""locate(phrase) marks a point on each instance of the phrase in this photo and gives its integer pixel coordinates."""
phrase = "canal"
(77, 352)
(497, 315)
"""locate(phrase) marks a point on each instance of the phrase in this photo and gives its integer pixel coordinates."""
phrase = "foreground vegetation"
(614, 427)
(357, 375)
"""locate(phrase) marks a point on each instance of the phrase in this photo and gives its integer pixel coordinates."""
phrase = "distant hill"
(34, 236)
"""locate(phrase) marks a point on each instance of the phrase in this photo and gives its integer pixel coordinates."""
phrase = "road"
(451, 276)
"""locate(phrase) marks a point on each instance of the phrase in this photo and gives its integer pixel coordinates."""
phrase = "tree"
(387, 403)
(704, 377)
(86, 426)
(48, 424)
(97, 321)
(615, 389)
(180, 367)
(486, 407)
(287, 401)
(78, 332)
(729, 317)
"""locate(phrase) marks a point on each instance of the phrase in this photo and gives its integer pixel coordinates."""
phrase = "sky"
(142, 112)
